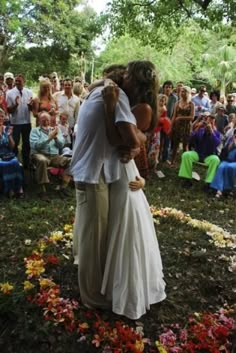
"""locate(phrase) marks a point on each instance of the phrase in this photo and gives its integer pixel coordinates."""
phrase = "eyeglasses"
(230, 100)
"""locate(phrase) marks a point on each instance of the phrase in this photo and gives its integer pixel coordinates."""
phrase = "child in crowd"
(163, 125)
(65, 129)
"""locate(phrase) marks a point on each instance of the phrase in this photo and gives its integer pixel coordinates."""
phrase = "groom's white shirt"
(92, 151)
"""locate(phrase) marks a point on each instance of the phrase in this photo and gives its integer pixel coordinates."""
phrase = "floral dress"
(181, 129)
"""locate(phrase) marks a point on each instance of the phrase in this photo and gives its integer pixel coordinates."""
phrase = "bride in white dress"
(133, 277)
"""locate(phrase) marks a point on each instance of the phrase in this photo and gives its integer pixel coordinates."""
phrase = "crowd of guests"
(203, 124)
(55, 109)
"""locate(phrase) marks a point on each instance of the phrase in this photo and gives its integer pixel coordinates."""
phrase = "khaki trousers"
(44, 161)
(90, 240)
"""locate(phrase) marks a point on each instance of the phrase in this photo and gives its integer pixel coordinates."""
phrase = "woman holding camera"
(11, 172)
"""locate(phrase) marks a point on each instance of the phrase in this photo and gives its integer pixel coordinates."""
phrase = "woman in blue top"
(11, 172)
(226, 173)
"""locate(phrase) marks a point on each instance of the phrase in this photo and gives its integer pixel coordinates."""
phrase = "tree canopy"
(55, 27)
(196, 57)
(159, 21)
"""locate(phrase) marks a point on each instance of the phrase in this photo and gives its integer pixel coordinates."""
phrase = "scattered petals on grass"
(28, 241)
(6, 287)
(208, 332)
(220, 237)
(34, 268)
(28, 285)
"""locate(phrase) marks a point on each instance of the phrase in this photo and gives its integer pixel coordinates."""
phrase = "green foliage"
(57, 29)
(220, 66)
(185, 61)
(144, 18)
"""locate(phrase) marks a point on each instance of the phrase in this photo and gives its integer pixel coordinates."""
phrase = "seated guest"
(11, 172)
(226, 172)
(45, 143)
(200, 121)
(204, 141)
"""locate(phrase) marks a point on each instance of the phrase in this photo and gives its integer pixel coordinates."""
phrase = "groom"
(94, 165)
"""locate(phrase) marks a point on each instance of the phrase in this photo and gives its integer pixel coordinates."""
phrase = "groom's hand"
(126, 154)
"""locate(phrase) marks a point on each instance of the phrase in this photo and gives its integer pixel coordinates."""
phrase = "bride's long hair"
(143, 80)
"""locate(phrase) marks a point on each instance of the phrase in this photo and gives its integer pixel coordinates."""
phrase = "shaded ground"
(196, 279)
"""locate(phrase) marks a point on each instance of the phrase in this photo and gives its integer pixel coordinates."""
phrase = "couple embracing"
(115, 244)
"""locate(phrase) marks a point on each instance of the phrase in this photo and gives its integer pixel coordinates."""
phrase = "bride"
(133, 277)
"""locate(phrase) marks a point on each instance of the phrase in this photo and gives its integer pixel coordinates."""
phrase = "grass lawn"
(197, 277)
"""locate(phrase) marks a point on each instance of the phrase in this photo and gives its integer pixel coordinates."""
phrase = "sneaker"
(196, 176)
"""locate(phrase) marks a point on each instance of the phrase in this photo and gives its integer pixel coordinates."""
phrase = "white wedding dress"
(133, 278)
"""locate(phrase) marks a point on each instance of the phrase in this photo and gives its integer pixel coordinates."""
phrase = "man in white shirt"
(94, 165)
(68, 102)
(201, 102)
(19, 100)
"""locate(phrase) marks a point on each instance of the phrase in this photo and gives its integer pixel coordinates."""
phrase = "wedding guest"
(11, 172)
(214, 101)
(44, 101)
(46, 143)
(231, 105)
(204, 141)
(9, 81)
(19, 105)
(68, 102)
(181, 121)
(225, 177)
(221, 118)
(172, 99)
(202, 104)
(65, 129)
